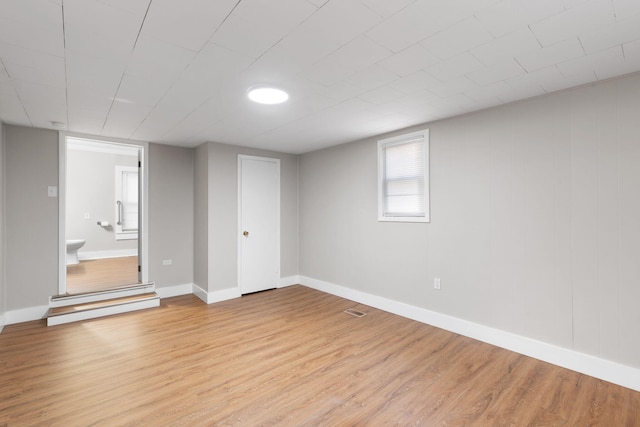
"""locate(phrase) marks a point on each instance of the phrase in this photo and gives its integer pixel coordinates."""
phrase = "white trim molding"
(115, 253)
(216, 296)
(289, 281)
(26, 314)
(175, 290)
(607, 370)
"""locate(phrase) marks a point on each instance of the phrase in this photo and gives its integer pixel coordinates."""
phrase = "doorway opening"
(102, 206)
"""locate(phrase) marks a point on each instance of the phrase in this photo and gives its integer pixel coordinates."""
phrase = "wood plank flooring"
(287, 357)
(101, 274)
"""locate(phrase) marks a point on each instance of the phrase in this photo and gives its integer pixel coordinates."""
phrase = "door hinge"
(139, 269)
(139, 164)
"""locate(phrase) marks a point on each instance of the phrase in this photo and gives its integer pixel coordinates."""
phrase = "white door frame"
(242, 157)
(143, 241)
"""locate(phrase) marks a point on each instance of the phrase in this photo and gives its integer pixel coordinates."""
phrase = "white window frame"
(397, 140)
(120, 233)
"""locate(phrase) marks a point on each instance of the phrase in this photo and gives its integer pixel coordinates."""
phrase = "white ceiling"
(176, 71)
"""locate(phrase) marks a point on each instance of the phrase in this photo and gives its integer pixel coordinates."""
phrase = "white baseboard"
(26, 314)
(116, 253)
(289, 281)
(607, 370)
(216, 296)
(175, 290)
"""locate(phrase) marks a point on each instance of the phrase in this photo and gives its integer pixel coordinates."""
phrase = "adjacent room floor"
(287, 357)
(100, 274)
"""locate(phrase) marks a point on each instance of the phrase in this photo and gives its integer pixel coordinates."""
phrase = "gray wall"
(31, 235)
(31, 161)
(91, 189)
(534, 228)
(222, 213)
(171, 214)
(3, 298)
(201, 217)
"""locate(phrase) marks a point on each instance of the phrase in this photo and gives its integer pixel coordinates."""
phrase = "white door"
(259, 223)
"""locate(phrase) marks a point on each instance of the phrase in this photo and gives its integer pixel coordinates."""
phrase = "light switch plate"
(52, 191)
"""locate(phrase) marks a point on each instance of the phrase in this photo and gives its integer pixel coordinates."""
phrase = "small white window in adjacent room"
(126, 202)
(403, 178)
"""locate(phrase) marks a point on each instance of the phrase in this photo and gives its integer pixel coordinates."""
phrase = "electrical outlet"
(166, 262)
(87, 215)
(436, 283)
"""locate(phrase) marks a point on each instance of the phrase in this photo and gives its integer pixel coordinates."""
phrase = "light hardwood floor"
(100, 274)
(287, 357)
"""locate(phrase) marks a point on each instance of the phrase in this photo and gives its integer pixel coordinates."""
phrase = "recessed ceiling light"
(263, 94)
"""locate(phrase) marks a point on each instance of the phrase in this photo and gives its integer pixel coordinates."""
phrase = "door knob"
(245, 234)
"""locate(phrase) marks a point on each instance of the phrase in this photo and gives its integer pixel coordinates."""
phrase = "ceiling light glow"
(267, 94)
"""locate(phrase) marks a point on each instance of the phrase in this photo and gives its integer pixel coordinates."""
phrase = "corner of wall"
(2, 226)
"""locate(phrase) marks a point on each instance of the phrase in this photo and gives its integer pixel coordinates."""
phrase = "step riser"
(101, 296)
(102, 311)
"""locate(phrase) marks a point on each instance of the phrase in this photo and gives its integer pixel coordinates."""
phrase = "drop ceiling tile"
(410, 60)
(11, 109)
(386, 8)
(591, 62)
(352, 57)
(80, 40)
(559, 52)
(136, 7)
(30, 58)
(573, 22)
(415, 82)
(341, 91)
(631, 50)
(246, 37)
(143, 91)
(495, 73)
(612, 34)
(188, 23)
(342, 21)
(567, 82)
(85, 121)
(506, 48)
(91, 16)
(84, 98)
(452, 87)
(457, 39)
(124, 119)
(153, 58)
(31, 37)
(278, 18)
(51, 76)
(626, 8)
(372, 77)
(492, 91)
(92, 72)
(382, 95)
(40, 14)
(510, 15)
(405, 28)
(533, 82)
(455, 67)
(298, 50)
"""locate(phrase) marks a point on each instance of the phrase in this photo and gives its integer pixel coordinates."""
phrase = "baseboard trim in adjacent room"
(607, 370)
(175, 290)
(289, 281)
(26, 314)
(216, 296)
(116, 253)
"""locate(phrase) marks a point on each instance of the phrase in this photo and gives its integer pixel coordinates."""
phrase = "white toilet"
(72, 250)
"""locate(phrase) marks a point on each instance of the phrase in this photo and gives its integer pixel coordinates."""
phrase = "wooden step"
(91, 310)
(108, 294)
